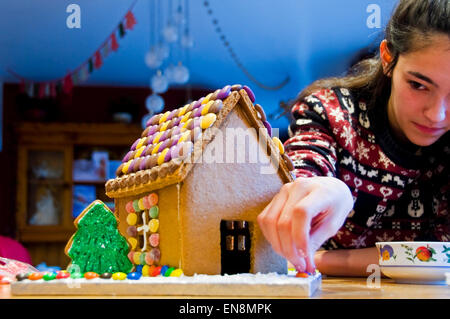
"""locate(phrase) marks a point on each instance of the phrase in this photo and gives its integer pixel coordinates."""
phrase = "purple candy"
(198, 111)
(268, 127)
(250, 93)
(153, 120)
(198, 103)
(164, 144)
(131, 167)
(143, 163)
(133, 147)
(168, 156)
(224, 92)
(152, 130)
(127, 157)
(177, 121)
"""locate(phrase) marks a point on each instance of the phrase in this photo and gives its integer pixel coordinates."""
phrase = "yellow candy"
(208, 120)
(119, 276)
(162, 156)
(132, 219)
(133, 242)
(278, 143)
(176, 273)
(184, 136)
(126, 166)
(141, 203)
(141, 141)
(145, 270)
(186, 117)
(157, 137)
(155, 150)
(154, 225)
(139, 152)
(206, 100)
(136, 258)
(164, 126)
(183, 110)
(164, 117)
(187, 123)
(205, 109)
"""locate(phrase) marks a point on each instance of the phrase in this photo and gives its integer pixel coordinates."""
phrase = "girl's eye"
(416, 85)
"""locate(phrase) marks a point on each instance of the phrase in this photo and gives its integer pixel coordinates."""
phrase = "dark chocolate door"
(235, 246)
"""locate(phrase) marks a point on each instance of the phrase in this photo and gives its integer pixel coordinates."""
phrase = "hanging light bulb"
(187, 41)
(152, 58)
(169, 73)
(170, 33)
(178, 16)
(159, 83)
(180, 74)
(154, 103)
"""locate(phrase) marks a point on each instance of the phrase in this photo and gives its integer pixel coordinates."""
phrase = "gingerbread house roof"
(173, 141)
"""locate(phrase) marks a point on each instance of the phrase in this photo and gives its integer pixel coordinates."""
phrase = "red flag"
(67, 84)
(98, 60)
(114, 44)
(130, 21)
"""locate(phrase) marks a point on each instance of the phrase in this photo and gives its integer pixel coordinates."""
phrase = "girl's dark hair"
(409, 29)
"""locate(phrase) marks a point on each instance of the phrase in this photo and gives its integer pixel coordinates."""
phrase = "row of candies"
(141, 271)
(148, 206)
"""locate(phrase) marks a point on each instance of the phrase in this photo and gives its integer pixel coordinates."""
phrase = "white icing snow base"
(261, 285)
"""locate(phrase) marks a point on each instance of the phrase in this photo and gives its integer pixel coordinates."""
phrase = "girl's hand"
(303, 215)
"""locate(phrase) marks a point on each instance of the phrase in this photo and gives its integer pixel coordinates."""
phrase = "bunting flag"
(82, 73)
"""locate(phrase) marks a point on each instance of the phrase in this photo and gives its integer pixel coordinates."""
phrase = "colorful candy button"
(49, 276)
(302, 275)
(176, 273)
(154, 240)
(132, 219)
(91, 275)
(136, 257)
(133, 242)
(168, 272)
(153, 225)
(20, 277)
(119, 276)
(134, 276)
(279, 144)
(154, 211)
(156, 271)
(164, 269)
(145, 270)
(35, 276)
(106, 275)
(153, 199)
(129, 207)
(155, 255)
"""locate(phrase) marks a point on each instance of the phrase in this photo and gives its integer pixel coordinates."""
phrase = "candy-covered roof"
(173, 141)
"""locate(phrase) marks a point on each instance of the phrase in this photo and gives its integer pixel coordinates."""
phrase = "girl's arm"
(346, 262)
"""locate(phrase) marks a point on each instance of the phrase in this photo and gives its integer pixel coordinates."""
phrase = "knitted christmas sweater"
(400, 191)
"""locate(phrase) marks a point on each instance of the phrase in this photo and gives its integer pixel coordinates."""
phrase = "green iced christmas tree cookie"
(97, 244)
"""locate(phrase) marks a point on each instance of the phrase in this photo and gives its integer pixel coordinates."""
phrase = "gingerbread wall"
(227, 191)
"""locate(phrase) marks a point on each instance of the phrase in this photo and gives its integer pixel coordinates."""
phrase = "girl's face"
(418, 108)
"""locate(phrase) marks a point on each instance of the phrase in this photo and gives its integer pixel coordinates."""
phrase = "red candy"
(153, 199)
(62, 274)
(129, 207)
(302, 275)
(155, 271)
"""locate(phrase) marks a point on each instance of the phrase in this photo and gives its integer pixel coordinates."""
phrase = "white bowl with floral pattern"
(414, 262)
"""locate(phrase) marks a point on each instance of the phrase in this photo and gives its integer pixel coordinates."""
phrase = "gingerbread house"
(188, 192)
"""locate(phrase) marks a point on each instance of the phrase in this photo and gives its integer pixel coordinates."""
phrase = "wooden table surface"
(332, 288)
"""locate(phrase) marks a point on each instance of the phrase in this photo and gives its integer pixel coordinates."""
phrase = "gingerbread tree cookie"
(97, 244)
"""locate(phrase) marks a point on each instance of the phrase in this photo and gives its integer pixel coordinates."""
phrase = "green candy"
(49, 276)
(169, 271)
(154, 211)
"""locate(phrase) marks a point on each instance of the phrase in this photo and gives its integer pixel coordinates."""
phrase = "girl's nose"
(437, 111)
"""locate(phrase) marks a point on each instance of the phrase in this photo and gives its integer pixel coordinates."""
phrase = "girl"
(371, 152)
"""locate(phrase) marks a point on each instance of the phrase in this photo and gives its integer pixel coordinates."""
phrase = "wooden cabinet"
(61, 167)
